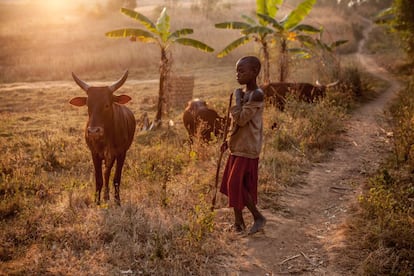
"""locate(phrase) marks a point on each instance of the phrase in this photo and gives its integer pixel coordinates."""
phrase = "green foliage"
(298, 14)
(158, 32)
(404, 11)
(201, 220)
(400, 17)
(268, 7)
(267, 30)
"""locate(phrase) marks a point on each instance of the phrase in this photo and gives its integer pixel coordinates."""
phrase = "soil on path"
(306, 237)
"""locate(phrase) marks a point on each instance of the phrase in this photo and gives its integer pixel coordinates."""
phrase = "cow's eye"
(107, 106)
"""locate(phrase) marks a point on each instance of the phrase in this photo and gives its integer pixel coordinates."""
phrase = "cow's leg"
(97, 163)
(117, 178)
(109, 163)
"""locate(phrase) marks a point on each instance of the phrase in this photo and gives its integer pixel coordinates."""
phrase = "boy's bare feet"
(258, 225)
(239, 228)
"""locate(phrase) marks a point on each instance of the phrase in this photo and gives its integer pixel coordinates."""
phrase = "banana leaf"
(163, 25)
(140, 34)
(194, 43)
(237, 43)
(235, 25)
(140, 18)
(180, 33)
(298, 14)
(270, 20)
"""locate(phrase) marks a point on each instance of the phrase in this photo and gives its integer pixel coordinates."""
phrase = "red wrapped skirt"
(240, 180)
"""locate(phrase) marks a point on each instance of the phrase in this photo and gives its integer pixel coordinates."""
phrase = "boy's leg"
(259, 219)
(239, 225)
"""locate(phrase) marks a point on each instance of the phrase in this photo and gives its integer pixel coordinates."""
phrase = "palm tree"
(160, 34)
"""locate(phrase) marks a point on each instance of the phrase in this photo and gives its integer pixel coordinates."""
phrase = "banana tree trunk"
(266, 67)
(284, 61)
(162, 86)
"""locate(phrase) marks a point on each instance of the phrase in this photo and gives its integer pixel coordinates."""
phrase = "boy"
(240, 176)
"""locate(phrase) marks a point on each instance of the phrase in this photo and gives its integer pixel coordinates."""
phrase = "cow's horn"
(80, 82)
(318, 83)
(115, 86)
(332, 83)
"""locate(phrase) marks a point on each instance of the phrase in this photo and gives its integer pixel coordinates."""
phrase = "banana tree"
(268, 29)
(325, 51)
(256, 30)
(159, 33)
(289, 30)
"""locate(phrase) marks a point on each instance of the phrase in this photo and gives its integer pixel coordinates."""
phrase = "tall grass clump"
(402, 122)
(388, 210)
(309, 129)
(302, 134)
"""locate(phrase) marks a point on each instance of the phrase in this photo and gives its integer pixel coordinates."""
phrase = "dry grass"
(47, 204)
(49, 223)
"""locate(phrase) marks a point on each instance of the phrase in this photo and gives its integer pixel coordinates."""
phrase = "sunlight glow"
(55, 4)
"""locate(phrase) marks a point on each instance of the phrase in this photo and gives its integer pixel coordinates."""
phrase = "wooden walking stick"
(226, 129)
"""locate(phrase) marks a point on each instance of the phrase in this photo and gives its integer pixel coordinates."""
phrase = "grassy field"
(49, 224)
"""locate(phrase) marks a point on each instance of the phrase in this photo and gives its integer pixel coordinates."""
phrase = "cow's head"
(99, 101)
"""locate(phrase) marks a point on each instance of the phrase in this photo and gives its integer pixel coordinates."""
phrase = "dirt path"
(306, 237)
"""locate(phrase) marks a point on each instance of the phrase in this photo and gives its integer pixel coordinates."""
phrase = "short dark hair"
(254, 61)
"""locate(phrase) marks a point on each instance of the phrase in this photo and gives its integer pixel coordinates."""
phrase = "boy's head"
(248, 69)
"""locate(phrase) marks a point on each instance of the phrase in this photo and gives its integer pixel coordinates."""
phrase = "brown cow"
(200, 120)
(109, 131)
(276, 92)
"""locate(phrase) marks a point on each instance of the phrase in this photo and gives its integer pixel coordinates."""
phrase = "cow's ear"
(122, 99)
(78, 101)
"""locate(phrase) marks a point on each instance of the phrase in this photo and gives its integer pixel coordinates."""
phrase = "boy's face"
(245, 72)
